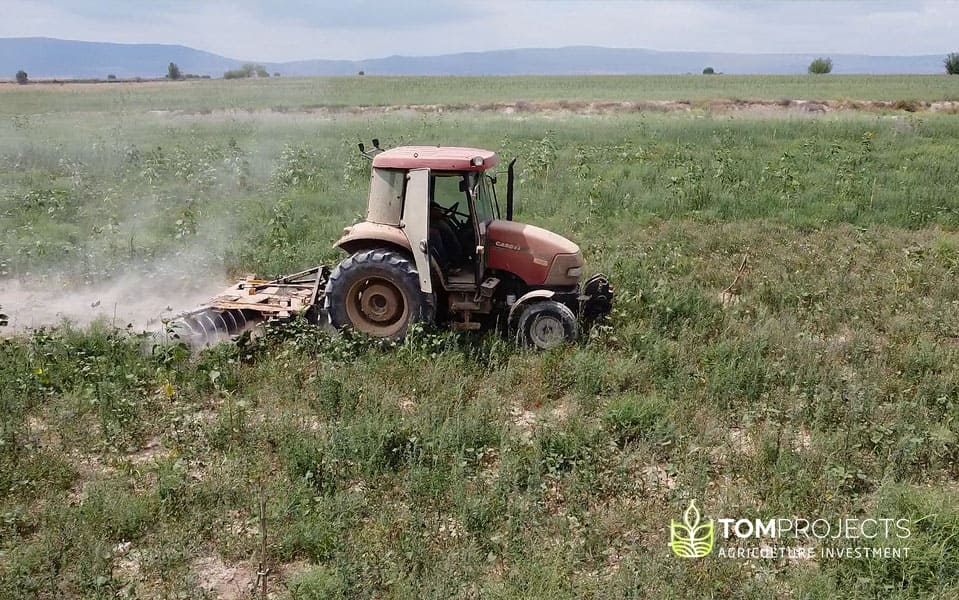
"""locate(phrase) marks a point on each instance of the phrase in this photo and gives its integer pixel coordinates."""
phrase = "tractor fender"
(366, 235)
(370, 236)
(528, 298)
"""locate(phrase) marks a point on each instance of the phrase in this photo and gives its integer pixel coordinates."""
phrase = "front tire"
(377, 292)
(546, 324)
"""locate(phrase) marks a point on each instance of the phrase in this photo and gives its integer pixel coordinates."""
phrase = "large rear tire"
(377, 292)
(546, 324)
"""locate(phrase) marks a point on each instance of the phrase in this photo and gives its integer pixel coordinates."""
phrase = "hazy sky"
(283, 30)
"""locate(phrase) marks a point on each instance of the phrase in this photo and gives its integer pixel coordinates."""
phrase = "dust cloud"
(140, 302)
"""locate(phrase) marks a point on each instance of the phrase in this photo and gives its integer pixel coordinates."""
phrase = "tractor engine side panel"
(525, 250)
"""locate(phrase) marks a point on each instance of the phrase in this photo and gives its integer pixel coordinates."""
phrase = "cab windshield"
(484, 197)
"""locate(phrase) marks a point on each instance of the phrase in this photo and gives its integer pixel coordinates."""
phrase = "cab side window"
(446, 193)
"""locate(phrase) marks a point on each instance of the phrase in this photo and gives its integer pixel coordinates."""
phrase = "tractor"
(435, 247)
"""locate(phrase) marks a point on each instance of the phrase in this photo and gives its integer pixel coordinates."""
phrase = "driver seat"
(445, 246)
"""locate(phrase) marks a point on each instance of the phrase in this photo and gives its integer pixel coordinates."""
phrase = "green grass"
(99, 196)
(285, 94)
(455, 465)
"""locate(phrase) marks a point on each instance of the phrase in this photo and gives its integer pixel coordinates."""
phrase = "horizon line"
(517, 49)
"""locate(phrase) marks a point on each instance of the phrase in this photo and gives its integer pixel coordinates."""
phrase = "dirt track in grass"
(783, 107)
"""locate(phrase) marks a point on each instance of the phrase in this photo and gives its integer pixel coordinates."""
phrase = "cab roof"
(440, 158)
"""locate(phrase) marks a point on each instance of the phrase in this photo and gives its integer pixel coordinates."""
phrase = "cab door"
(415, 223)
(480, 221)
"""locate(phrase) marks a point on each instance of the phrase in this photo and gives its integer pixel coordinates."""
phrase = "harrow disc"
(210, 325)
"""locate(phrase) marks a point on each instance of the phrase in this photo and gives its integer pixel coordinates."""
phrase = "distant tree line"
(819, 66)
(823, 66)
(247, 70)
(173, 73)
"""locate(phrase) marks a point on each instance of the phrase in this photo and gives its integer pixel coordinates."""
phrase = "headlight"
(565, 270)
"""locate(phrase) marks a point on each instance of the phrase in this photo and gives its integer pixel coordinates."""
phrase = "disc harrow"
(251, 302)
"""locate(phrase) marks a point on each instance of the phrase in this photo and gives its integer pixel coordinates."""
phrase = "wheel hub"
(381, 302)
(376, 306)
(547, 331)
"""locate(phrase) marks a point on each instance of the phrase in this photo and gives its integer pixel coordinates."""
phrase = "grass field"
(825, 384)
(285, 94)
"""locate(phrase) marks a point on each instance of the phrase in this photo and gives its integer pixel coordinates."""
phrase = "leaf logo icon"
(692, 538)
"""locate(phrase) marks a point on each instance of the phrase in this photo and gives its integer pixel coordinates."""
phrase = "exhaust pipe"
(509, 190)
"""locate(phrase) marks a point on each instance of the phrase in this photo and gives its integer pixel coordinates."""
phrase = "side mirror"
(372, 153)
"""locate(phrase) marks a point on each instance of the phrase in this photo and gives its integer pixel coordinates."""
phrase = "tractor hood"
(535, 255)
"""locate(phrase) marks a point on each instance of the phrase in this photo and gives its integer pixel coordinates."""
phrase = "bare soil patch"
(785, 106)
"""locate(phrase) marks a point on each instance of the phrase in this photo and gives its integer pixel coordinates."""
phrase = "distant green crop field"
(300, 93)
(784, 343)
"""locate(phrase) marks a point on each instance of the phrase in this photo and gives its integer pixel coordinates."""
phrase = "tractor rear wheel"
(546, 324)
(377, 292)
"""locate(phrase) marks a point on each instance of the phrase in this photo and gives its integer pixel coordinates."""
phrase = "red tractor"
(435, 247)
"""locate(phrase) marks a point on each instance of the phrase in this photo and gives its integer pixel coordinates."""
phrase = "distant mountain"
(46, 57)
(591, 60)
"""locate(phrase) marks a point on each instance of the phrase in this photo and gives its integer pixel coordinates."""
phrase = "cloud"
(356, 29)
(346, 14)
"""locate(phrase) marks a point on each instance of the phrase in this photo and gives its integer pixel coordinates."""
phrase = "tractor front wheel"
(546, 324)
(377, 292)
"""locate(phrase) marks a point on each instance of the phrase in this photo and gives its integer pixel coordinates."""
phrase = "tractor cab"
(442, 196)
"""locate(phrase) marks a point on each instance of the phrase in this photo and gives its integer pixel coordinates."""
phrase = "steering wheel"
(451, 212)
